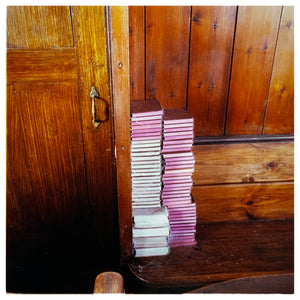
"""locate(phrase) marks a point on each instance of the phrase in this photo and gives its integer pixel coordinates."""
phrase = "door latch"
(93, 94)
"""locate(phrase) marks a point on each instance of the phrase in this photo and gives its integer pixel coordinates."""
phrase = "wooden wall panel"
(41, 65)
(47, 27)
(167, 51)
(44, 156)
(280, 109)
(241, 202)
(137, 52)
(244, 163)
(255, 41)
(212, 32)
(209, 50)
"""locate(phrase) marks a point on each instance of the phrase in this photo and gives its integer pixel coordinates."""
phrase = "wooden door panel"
(19, 184)
(280, 109)
(54, 189)
(167, 50)
(254, 48)
(47, 65)
(39, 27)
(212, 32)
(91, 52)
(66, 170)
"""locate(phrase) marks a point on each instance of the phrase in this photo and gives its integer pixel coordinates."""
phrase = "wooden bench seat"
(224, 251)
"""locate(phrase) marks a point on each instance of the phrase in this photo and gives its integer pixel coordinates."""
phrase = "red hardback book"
(149, 107)
(177, 116)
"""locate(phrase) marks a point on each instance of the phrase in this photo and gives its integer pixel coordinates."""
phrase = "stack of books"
(146, 172)
(146, 137)
(150, 231)
(179, 163)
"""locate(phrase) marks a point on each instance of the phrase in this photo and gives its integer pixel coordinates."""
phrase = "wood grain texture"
(244, 139)
(61, 194)
(224, 251)
(244, 163)
(167, 50)
(265, 284)
(16, 172)
(212, 34)
(49, 65)
(108, 282)
(137, 52)
(240, 202)
(91, 51)
(280, 109)
(44, 162)
(39, 27)
(255, 41)
(121, 97)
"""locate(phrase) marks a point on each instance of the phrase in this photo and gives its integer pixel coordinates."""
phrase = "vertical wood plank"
(210, 60)
(280, 109)
(91, 51)
(18, 181)
(121, 99)
(255, 40)
(167, 50)
(37, 27)
(45, 158)
(137, 52)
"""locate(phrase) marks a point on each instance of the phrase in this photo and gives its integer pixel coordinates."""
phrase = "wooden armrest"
(108, 282)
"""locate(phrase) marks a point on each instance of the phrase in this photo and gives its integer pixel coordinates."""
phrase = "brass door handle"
(93, 94)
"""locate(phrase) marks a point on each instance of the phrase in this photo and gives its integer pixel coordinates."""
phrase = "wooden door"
(60, 168)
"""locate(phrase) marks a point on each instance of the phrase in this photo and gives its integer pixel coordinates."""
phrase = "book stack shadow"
(179, 164)
(150, 219)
